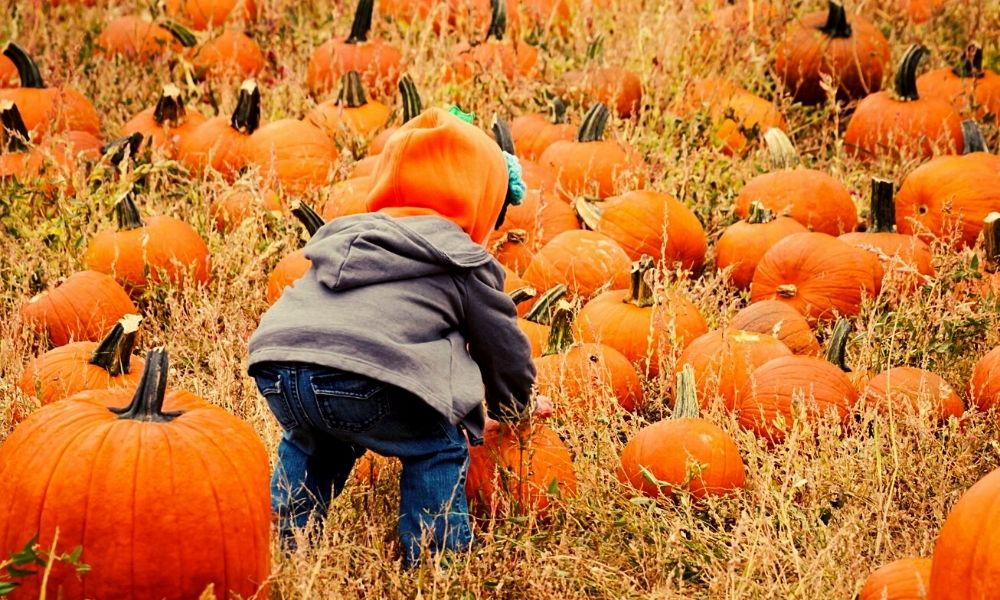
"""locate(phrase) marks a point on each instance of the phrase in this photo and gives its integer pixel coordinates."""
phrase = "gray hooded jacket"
(412, 302)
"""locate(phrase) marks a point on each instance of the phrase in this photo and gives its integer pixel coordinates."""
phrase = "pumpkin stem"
(972, 63)
(640, 293)
(759, 214)
(15, 132)
(116, 150)
(498, 19)
(589, 211)
(412, 106)
(991, 242)
(787, 290)
(309, 218)
(561, 332)
(836, 21)
(170, 107)
(180, 33)
(592, 128)
(836, 353)
(972, 137)
(541, 310)
(906, 74)
(27, 70)
(511, 236)
(501, 133)
(127, 214)
(352, 91)
(362, 23)
(522, 294)
(147, 403)
(114, 353)
(557, 109)
(883, 207)
(246, 116)
(783, 154)
(686, 395)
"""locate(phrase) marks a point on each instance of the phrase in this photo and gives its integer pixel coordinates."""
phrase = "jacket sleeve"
(497, 344)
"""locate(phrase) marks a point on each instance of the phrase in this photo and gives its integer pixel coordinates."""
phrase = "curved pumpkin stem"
(362, 22)
(836, 353)
(27, 70)
(906, 75)
(114, 353)
(592, 128)
(180, 33)
(522, 294)
(589, 211)
(972, 63)
(116, 150)
(170, 107)
(412, 105)
(686, 395)
(561, 332)
(541, 311)
(246, 116)
(883, 206)
(972, 137)
(991, 242)
(127, 214)
(640, 293)
(501, 133)
(352, 91)
(759, 213)
(309, 218)
(147, 403)
(557, 111)
(15, 132)
(783, 154)
(498, 20)
(836, 25)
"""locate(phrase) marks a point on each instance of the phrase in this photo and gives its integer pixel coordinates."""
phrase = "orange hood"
(437, 164)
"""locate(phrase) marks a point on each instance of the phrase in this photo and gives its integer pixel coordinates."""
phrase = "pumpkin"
(524, 468)
(190, 499)
(984, 383)
(294, 264)
(350, 119)
(165, 125)
(743, 244)
(148, 251)
(903, 579)
(825, 45)
(722, 360)
(920, 11)
(208, 14)
(77, 366)
(968, 87)
(234, 206)
(348, 197)
(534, 132)
(412, 106)
(684, 452)
(220, 143)
(614, 86)
(904, 125)
(590, 165)
(735, 116)
(492, 56)
(539, 218)
(647, 327)
(81, 308)
(912, 390)
(292, 154)
(817, 274)
(134, 37)
(781, 321)
(813, 198)
(582, 260)
(8, 73)
(535, 322)
(51, 164)
(379, 63)
(231, 52)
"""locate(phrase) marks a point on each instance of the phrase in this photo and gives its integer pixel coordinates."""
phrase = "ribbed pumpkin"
(232, 52)
(294, 264)
(781, 321)
(683, 452)
(348, 197)
(134, 37)
(81, 308)
(493, 56)
(817, 274)
(743, 244)
(292, 155)
(540, 217)
(159, 478)
(534, 132)
(905, 123)
(968, 87)
(645, 326)
(350, 119)
(522, 468)
(912, 390)
(234, 206)
(582, 260)
(614, 86)
(735, 116)
(220, 142)
(206, 14)
(148, 251)
(8, 73)
(49, 165)
(903, 579)
(165, 125)
(984, 384)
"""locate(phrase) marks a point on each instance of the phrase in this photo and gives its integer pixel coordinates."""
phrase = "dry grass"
(818, 513)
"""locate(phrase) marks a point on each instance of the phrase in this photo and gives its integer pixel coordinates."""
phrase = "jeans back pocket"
(349, 402)
(270, 387)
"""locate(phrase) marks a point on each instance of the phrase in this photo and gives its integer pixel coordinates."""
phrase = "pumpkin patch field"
(757, 260)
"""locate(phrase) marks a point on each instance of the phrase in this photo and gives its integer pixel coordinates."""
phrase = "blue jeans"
(330, 417)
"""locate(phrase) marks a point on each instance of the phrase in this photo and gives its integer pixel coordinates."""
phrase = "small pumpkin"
(534, 132)
(743, 244)
(208, 14)
(968, 86)
(912, 390)
(350, 119)
(220, 142)
(736, 117)
(903, 579)
(494, 55)
(83, 307)
(292, 155)
(781, 321)
(232, 52)
(165, 125)
(232, 207)
(615, 86)
(136, 38)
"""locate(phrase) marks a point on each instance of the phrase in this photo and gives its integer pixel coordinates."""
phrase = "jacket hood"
(438, 164)
(372, 248)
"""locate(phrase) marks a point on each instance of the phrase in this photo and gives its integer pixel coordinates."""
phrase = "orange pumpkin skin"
(920, 11)
(586, 374)
(81, 308)
(722, 361)
(214, 145)
(743, 244)
(290, 268)
(342, 122)
(163, 135)
(541, 216)
(537, 335)
(292, 153)
(881, 125)
(8, 73)
(912, 390)
(781, 321)
(965, 565)
(902, 255)
(618, 88)
(778, 385)
(233, 207)
(534, 132)
(817, 274)
(985, 381)
(348, 197)
(582, 260)
(519, 466)
(811, 197)
(379, 63)
(66, 370)
(204, 14)
(230, 53)
(672, 450)
(903, 579)
(46, 109)
(135, 38)
(732, 112)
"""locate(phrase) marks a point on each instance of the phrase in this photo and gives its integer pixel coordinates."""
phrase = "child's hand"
(543, 407)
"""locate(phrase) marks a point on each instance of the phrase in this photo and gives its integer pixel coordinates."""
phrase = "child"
(396, 334)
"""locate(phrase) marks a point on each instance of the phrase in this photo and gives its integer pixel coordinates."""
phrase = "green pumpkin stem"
(522, 294)
(541, 311)
(991, 242)
(309, 218)
(906, 74)
(170, 107)
(27, 70)
(759, 213)
(502, 135)
(557, 111)
(592, 128)
(972, 137)
(972, 63)
(836, 25)
(412, 105)
(14, 132)
(352, 91)
(640, 293)
(783, 154)
(883, 207)
(116, 150)
(246, 116)
(686, 395)
(561, 331)
(182, 34)
(127, 214)
(589, 211)
(498, 20)
(362, 22)
(114, 353)
(147, 403)
(836, 352)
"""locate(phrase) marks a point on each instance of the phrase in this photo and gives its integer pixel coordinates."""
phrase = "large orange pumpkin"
(232, 52)
(912, 390)
(582, 260)
(534, 132)
(220, 143)
(968, 86)
(743, 244)
(903, 579)
(81, 308)
(292, 155)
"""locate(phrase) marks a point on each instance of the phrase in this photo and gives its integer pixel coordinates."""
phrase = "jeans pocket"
(269, 385)
(349, 402)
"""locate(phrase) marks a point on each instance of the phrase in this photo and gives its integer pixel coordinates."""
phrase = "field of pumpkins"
(758, 263)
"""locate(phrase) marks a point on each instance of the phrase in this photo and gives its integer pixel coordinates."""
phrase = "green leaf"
(19, 572)
(6, 587)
